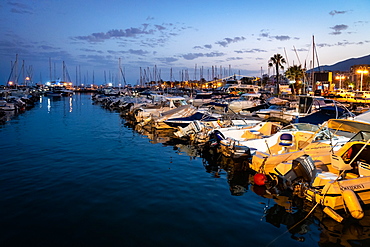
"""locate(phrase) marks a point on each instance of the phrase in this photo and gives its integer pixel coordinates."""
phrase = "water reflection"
(70, 104)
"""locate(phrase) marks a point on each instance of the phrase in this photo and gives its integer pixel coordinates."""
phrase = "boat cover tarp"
(323, 115)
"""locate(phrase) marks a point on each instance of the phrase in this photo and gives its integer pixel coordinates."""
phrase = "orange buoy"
(259, 179)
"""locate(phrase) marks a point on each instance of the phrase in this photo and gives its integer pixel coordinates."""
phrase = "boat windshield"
(302, 127)
(275, 107)
(361, 136)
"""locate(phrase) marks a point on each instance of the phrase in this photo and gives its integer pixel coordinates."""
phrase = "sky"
(130, 42)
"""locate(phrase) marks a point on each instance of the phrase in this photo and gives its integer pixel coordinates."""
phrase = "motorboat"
(230, 141)
(246, 100)
(201, 98)
(278, 111)
(157, 108)
(339, 179)
(6, 106)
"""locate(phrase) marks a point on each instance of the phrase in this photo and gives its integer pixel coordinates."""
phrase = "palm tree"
(277, 60)
(295, 73)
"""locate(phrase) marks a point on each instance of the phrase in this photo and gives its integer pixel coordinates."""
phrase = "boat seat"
(286, 143)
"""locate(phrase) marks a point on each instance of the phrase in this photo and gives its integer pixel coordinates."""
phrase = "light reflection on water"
(73, 174)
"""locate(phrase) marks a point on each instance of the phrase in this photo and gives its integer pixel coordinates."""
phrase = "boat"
(53, 94)
(158, 121)
(246, 100)
(185, 121)
(199, 132)
(6, 106)
(337, 180)
(308, 109)
(201, 98)
(278, 111)
(230, 141)
(158, 106)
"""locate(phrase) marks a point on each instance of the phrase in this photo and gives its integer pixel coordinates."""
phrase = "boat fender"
(260, 179)
(334, 215)
(352, 203)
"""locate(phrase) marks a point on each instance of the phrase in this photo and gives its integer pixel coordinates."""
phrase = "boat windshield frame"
(301, 127)
(362, 135)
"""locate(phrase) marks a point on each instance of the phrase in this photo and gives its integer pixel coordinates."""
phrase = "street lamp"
(362, 71)
(340, 78)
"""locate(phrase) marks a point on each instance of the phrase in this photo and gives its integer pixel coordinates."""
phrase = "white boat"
(6, 106)
(247, 100)
(158, 107)
(201, 98)
(231, 141)
(278, 111)
(201, 132)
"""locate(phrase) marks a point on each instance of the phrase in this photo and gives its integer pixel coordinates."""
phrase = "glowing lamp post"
(362, 71)
(340, 78)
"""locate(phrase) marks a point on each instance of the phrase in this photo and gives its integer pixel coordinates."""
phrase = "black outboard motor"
(302, 167)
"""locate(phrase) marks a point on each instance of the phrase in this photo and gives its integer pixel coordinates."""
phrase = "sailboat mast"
(313, 64)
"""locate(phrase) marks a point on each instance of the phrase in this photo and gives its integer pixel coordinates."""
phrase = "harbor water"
(75, 174)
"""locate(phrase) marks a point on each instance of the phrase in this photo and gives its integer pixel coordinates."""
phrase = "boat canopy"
(348, 125)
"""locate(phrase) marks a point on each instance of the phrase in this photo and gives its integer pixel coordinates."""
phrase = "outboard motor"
(302, 167)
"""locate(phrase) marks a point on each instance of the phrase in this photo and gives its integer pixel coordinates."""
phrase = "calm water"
(73, 174)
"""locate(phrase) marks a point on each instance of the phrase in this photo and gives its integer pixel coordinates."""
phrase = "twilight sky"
(189, 37)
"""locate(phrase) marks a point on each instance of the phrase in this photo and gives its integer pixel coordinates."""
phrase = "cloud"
(160, 27)
(250, 51)
(168, 59)
(91, 50)
(234, 58)
(20, 8)
(165, 30)
(48, 47)
(336, 12)
(341, 43)
(137, 52)
(338, 29)
(202, 47)
(226, 41)
(281, 37)
(191, 56)
(265, 35)
(130, 51)
(114, 33)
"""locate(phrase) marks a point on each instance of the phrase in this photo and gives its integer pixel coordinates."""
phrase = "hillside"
(345, 65)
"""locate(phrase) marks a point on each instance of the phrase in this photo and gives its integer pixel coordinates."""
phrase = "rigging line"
(295, 50)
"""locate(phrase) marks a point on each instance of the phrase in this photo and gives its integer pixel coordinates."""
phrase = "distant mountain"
(345, 65)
